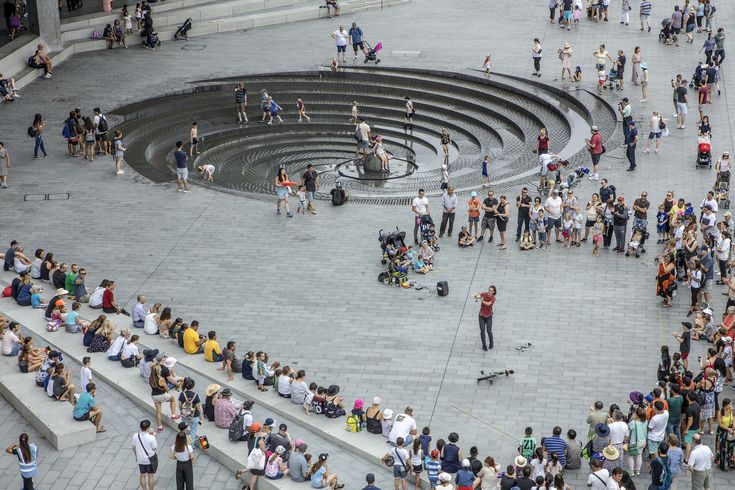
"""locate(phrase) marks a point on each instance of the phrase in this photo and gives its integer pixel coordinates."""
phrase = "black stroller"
(665, 36)
(428, 232)
(698, 75)
(150, 41)
(392, 244)
(181, 32)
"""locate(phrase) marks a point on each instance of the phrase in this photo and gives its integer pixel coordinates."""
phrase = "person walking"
(310, 180)
(183, 453)
(39, 125)
(241, 103)
(341, 36)
(536, 55)
(27, 454)
(645, 13)
(625, 9)
(282, 183)
(449, 208)
(4, 165)
(594, 144)
(625, 112)
(654, 130)
(523, 203)
(631, 143)
(144, 448)
(553, 4)
(182, 170)
(681, 104)
(356, 35)
(720, 46)
(487, 299)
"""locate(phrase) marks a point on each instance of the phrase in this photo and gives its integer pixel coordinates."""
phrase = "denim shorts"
(309, 196)
(400, 472)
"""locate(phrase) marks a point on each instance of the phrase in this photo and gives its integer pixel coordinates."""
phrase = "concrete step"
(52, 419)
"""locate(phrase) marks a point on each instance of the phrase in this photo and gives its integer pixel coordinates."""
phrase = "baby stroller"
(704, 152)
(182, 30)
(392, 243)
(722, 189)
(698, 76)
(428, 231)
(371, 53)
(665, 35)
(151, 41)
(575, 178)
(612, 79)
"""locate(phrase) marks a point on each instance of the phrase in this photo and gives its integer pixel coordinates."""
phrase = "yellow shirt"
(676, 212)
(211, 346)
(191, 337)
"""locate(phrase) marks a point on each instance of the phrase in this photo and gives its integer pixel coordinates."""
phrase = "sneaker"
(289, 215)
(47, 75)
(47, 155)
(278, 212)
(17, 96)
(179, 190)
(120, 172)
(186, 190)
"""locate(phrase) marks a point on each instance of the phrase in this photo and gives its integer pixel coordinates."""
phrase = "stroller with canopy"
(392, 244)
(181, 32)
(371, 53)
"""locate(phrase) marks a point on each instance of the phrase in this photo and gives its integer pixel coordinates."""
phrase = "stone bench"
(52, 419)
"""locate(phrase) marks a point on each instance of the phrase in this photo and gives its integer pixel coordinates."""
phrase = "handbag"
(256, 458)
(153, 459)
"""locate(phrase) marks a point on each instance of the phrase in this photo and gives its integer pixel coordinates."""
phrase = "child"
(634, 244)
(387, 422)
(85, 374)
(310, 397)
(465, 239)
(601, 79)
(261, 370)
(301, 193)
(431, 237)
(319, 401)
(578, 219)
(427, 253)
(128, 19)
(36, 301)
(541, 229)
(577, 77)
(526, 241)
(73, 324)
(662, 218)
(433, 468)
(207, 171)
(528, 444)
(425, 440)
(487, 65)
(138, 16)
(485, 171)
(334, 65)
(552, 466)
(420, 266)
(302, 110)
(566, 230)
(359, 412)
(274, 111)
(577, 14)
(597, 230)
(193, 139)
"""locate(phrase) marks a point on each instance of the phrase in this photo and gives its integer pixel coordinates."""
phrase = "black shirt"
(681, 94)
(50, 307)
(524, 200)
(309, 179)
(620, 215)
(490, 203)
(607, 192)
(657, 469)
(507, 482)
(59, 279)
(525, 483)
(275, 440)
(693, 413)
(686, 344)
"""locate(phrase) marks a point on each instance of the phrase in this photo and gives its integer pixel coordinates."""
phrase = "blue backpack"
(665, 482)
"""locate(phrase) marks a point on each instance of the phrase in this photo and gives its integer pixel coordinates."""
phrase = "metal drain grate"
(193, 47)
(63, 100)
(54, 196)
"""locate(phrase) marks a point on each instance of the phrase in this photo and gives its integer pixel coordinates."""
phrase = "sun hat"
(212, 389)
(280, 450)
(377, 400)
(611, 452)
(644, 66)
(332, 390)
(61, 292)
(521, 461)
(465, 463)
(169, 362)
(602, 430)
(359, 403)
(150, 354)
(387, 413)
(445, 477)
(226, 392)
(635, 397)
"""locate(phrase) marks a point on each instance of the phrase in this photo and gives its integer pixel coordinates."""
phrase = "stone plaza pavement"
(305, 289)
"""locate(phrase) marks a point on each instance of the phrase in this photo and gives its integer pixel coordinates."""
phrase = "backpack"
(67, 131)
(665, 482)
(187, 407)
(333, 411)
(352, 424)
(31, 132)
(102, 125)
(236, 427)
(358, 135)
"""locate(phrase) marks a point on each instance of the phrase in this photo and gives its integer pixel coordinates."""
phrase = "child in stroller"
(698, 76)
(392, 244)
(635, 243)
(666, 35)
(428, 232)
(612, 79)
(722, 184)
(704, 154)
(371, 53)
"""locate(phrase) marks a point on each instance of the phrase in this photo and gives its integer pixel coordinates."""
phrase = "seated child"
(704, 327)
(359, 412)
(465, 239)
(577, 77)
(634, 245)
(420, 266)
(427, 252)
(310, 398)
(207, 171)
(431, 236)
(526, 241)
(387, 422)
(36, 300)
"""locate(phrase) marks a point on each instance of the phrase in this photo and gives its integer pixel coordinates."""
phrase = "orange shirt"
(474, 205)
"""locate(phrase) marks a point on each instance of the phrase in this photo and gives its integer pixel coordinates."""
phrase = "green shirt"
(675, 403)
(528, 446)
(720, 41)
(69, 282)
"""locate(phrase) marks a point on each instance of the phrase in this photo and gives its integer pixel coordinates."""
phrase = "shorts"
(182, 173)
(100, 137)
(417, 469)
(341, 49)
(309, 196)
(652, 135)
(599, 67)
(359, 45)
(707, 288)
(240, 106)
(690, 27)
(474, 219)
(676, 30)
(590, 223)
(653, 446)
(596, 158)
(567, 15)
(161, 398)
(684, 355)
(399, 472)
(689, 436)
(82, 418)
(701, 479)
(597, 239)
(282, 192)
(553, 223)
(488, 223)
(682, 108)
(146, 469)
(257, 472)
(364, 145)
(532, 226)
(502, 224)
(194, 141)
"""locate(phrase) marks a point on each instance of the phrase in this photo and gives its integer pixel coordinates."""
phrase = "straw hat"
(521, 461)
(610, 452)
(212, 389)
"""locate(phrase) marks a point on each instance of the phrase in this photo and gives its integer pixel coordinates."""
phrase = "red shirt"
(486, 311)
(543, 143)
(596, 142)
(107, 299)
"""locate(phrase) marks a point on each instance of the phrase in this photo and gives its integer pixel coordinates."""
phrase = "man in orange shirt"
(473, 211)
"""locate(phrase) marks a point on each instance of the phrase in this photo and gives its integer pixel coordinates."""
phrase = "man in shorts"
(144, 448)
(182, 171)
(552, 207)
(700, 464)
(400, 463)
(691, 424)
(341, 37)
(87, 409)
(100, 132)
(567, 9)
(310, 180)
(356, 39)
(364, 139)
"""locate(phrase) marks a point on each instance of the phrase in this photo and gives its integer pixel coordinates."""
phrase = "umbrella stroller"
(182, 30)
(371, 53)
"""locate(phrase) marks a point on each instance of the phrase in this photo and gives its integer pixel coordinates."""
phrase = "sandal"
(238, 474)
(160, 428)
(101, 429)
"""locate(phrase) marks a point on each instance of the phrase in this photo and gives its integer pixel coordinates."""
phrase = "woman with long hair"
(183, 453)
(488, 475)
(725, 440)
(160, 395)
(666, 279)
(38, 126)
(282, 192)
(27, 454)
(320, 476)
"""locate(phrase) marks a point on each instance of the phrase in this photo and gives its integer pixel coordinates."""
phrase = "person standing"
(27, 454)
(4, 165)
(523, 203)
(38, 127)
(362, 131)
(620, 224)
(100, 131)
(565, 56)
(620, 67)
(625, 12)
(356, 39)
(241, 103)
(501, 217)
(720, 46)
(341, 37)
(631, 143)
(473, 213)
(700, 464)
(310, 180)
(419, 207)
(635, 61)
(626, 113)
(449, 209)
(681, 105)
(183, 453)
(567, 6)
(144, 448)
(594, 144)
(487, 300)
(408, 119)
(536, 55)
(119, 152)
(553, 4)
(640, 211)
(490, 206)
(182, 171)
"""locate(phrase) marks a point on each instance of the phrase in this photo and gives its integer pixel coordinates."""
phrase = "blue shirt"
(71, 318)
(676, 459)
(465, 478)
(556, 444)
(425, 440)
(35, 299)
(274, 107)
(356, 34)
(316, 478)
(181, 158)
(27, 468)
(433, 468)
(85, 403)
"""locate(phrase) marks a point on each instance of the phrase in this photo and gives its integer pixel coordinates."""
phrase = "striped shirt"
(433, 468)
(645, 8)
(558, 445)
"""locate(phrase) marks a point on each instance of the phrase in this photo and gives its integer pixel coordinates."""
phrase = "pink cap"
(298, 442)
(359, 403)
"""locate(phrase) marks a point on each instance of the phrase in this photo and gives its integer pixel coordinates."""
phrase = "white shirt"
(150, 326)
(9, 340)
(595, 482)
(95, 299)
(723, 250)
(403, 453)
(96, 123)
(420, 204)
(183, 456)
(20, 266)
(129, 350)
(298, 391)
(700, 458)
(678, 237)
(117, 344)
(545, 159)
(144, 447)
(284, 385)
(341, 37)
(657, 426)
(402, 426)
(553, 207)
(86, 376)
(709, 202)
(618, 431)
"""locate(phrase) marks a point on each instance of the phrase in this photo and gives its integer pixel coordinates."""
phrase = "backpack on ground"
(353, 424)
(102, 124)
(332, 411)
(665, 481)
(236, 428)
(187, 408)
